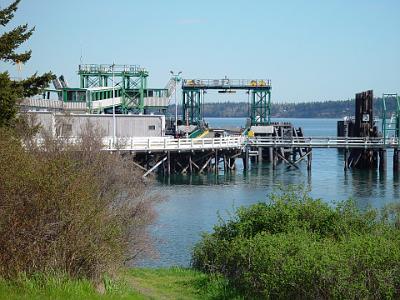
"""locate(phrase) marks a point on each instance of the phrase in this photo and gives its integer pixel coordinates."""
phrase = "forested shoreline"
(316, 109)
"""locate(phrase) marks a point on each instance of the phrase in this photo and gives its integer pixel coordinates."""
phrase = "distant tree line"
(317, 109)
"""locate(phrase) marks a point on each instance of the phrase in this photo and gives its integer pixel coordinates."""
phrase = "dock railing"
(324, 142)
(159, 144)
(227, 83)
(164, 144)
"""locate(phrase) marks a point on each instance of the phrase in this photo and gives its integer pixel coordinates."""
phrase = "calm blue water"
(192, 203)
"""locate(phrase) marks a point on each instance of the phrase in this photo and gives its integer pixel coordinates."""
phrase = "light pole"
(176, 79)
(113, 104)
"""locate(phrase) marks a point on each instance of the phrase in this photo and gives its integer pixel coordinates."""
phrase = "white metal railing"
(107, 68)
(162, 144)
(159, 144)
(324, 142)
(54, 104)
(214, 83)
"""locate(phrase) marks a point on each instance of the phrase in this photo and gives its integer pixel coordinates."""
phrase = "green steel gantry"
(193, 97)
(260, 110)
(392, 124)
(131, 80)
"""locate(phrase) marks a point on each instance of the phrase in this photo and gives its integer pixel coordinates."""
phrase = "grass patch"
(135, 284)
(61, 287)
(179, 283)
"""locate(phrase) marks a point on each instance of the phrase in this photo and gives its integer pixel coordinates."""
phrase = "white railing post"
(179, 143)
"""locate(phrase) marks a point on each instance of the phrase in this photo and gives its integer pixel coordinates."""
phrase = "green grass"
(60, 287)
(172, 283)
(178, 283)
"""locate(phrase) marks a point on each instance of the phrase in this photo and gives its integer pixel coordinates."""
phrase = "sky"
(311, 50)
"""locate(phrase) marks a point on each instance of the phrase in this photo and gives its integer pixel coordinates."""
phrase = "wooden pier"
(180, 156)
(201, 155)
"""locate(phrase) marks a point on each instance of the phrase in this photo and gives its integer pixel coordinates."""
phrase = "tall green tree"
(12, 91)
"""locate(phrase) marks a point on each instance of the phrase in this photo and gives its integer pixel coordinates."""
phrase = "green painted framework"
(260, 110)
(193, 98)
(192, 112)
(386, 124)
(131, 80)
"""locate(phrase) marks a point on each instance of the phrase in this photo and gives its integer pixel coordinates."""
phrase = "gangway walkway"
(173, 155)
(241, 142)
(325, 142)
(171, 144)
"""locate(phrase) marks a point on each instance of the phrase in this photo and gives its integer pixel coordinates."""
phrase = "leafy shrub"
(69, 208)
(298, 247)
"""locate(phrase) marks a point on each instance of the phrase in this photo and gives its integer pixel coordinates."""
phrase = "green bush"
(69, 208)
(298, 247)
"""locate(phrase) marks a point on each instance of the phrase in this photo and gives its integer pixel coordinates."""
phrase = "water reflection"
(193, 202)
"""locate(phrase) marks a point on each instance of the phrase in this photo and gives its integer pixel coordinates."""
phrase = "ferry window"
(152, 127)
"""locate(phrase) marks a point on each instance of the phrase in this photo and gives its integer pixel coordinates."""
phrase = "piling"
(309, 159)
(294, 154)
(270, 154)
(382, 160)
(225, 164)
(169, 162)
(216, 161)
(346, 159)
(259, 154)
(246, 159)
(396, 160)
